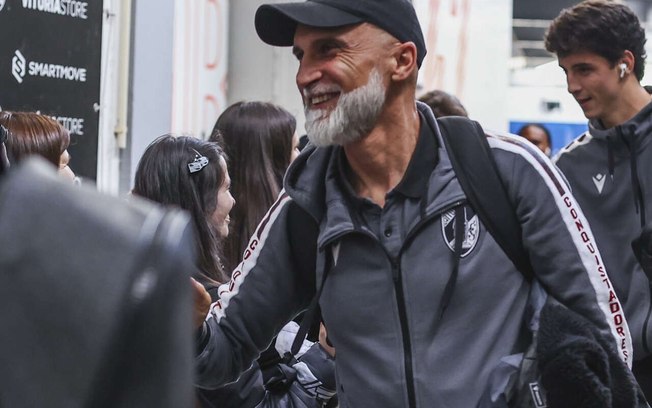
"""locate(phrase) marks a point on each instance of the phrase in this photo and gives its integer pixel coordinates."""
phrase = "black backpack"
(96, 298)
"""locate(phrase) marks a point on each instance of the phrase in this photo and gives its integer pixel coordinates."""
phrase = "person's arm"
(266, 290)
(557, 236)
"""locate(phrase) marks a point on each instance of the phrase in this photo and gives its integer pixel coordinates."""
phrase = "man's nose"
(307, 74)
(572, 85)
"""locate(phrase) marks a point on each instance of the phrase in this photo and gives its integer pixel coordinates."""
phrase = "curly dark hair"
(599, 26)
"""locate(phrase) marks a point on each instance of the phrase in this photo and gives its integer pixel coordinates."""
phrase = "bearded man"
(364, 227)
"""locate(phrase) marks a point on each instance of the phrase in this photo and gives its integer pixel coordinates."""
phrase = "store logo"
(74, 126)
(599, 180)
(70, 8)
(18, 66)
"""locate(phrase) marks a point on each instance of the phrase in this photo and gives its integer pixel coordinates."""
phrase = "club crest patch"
(471, 230)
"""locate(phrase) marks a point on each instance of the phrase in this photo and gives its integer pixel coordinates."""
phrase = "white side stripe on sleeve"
(249, 259)
(581, 234)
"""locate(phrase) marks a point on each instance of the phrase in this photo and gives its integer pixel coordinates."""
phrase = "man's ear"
(405, 61)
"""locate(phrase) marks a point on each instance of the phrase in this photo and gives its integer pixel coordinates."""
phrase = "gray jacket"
(383, 291)
(600, 166)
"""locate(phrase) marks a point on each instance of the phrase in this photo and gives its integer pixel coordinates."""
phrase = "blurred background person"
(443, 104)
(538, 135)
(260, 140)
(30, 133)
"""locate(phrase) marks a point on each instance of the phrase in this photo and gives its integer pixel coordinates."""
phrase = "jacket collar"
(640, 124)
(312, 183)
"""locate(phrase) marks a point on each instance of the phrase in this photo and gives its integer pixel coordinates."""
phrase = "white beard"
(354, 116)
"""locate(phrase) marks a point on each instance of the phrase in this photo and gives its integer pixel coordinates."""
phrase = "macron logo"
(18, 66)
(598, 180)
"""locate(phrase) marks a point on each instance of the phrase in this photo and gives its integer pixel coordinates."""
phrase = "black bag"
(96, 300)
(305, 383)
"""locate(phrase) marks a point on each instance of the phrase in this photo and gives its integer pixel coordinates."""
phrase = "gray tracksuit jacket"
(381, 297)
(609, 171)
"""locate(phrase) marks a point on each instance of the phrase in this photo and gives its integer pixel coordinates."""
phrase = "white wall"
(151, 90)
(534, 89)
(258, 71)
(108, 154)
(469, 47)
(200, 58)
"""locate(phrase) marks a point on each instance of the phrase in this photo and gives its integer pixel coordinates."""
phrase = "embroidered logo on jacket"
(471, 230)
(598, 180)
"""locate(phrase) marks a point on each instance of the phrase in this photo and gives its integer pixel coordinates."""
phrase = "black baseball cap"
(276, 23)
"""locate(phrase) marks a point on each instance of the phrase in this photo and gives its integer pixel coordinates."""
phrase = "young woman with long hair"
(191, 174)
(260, 140)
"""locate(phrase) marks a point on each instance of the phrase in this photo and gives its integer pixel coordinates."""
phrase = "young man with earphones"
(600, 46)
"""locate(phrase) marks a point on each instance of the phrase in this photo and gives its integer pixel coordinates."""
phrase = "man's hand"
(202, 303)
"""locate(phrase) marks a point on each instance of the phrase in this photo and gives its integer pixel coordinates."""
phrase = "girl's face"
(220, 217)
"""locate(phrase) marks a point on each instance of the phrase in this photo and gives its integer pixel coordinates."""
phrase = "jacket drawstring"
(610, 157)
(460, 232)
(639, 201)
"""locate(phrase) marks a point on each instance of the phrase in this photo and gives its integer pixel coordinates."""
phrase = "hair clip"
(199, 163)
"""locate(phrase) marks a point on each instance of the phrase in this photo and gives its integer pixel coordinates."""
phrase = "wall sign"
(50, 57)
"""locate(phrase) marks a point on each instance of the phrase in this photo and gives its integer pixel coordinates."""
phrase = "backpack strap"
(313, 311)
(477, 173)
(303, 232)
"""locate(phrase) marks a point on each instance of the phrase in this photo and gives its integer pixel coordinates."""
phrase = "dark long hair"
(31, 133)
(257, 137)
(163, 176)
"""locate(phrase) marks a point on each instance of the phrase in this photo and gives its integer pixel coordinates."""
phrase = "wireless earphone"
(623, 69)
